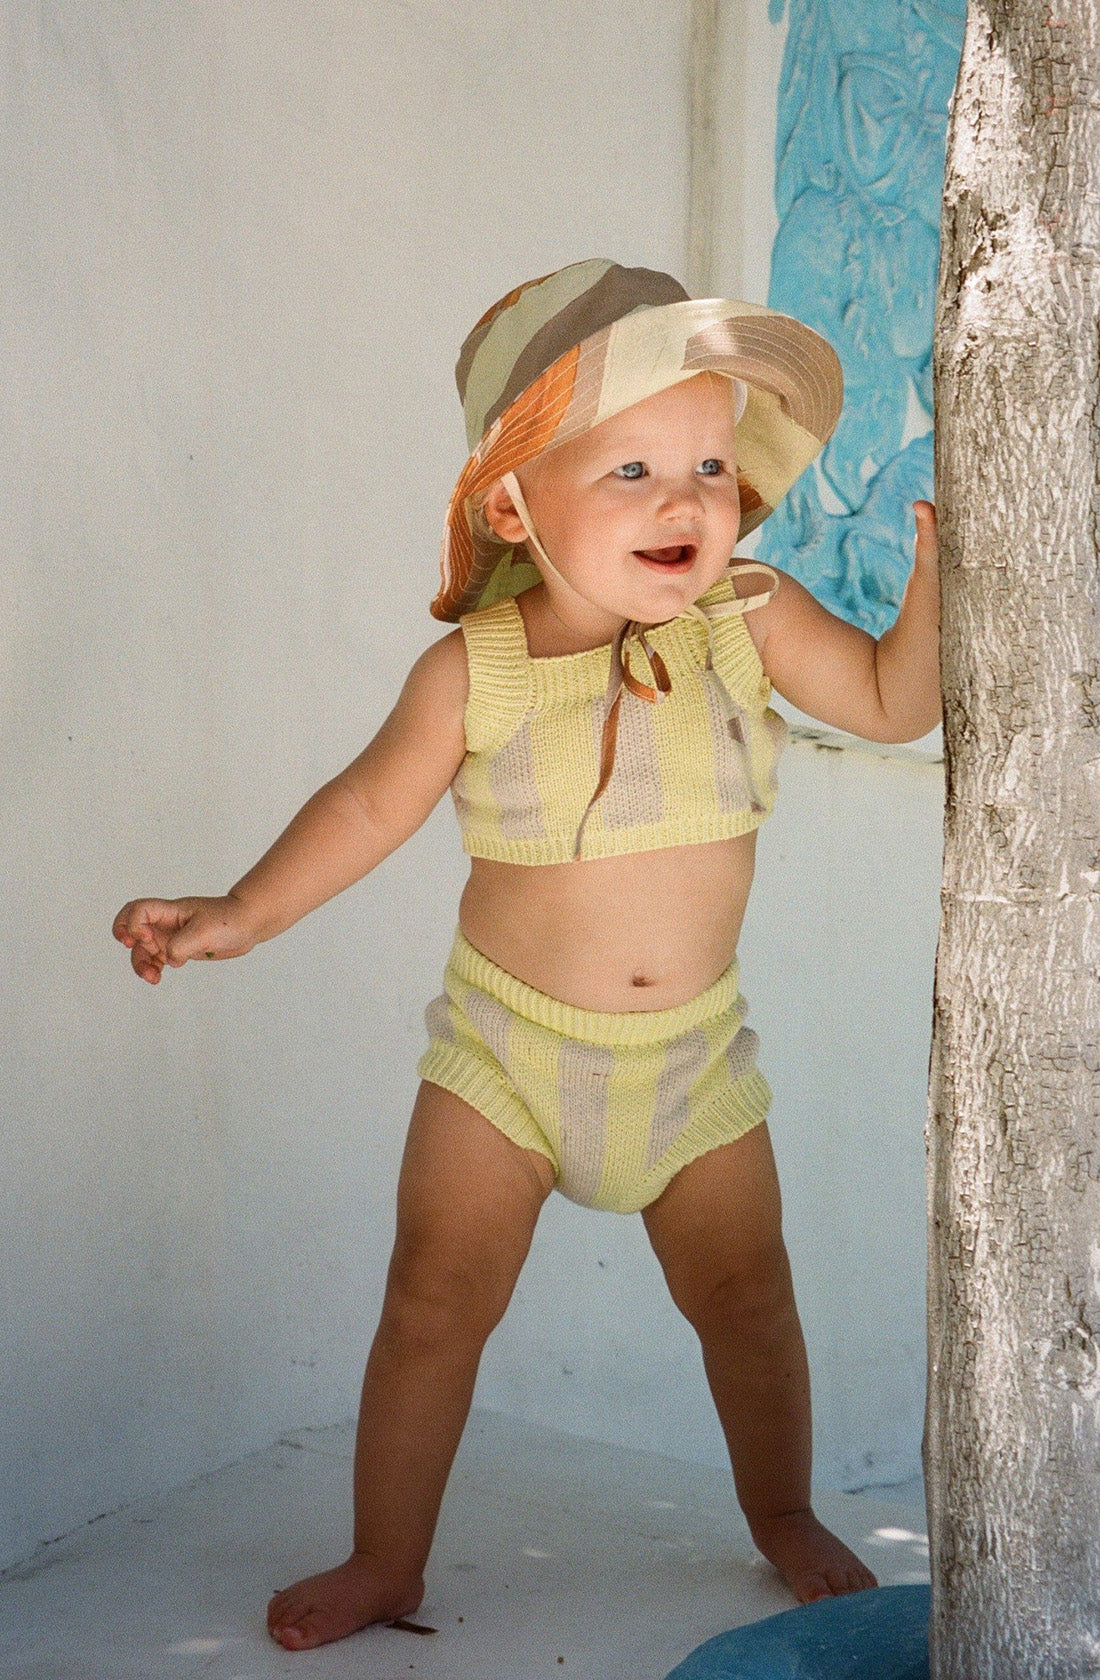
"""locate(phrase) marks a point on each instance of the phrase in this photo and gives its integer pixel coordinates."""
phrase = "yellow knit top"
(697, 765)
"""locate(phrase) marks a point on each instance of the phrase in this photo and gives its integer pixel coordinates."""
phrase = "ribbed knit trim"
(619, 842)
(591, 1026)
(499, 666)
(468, 1076)
(562, 677)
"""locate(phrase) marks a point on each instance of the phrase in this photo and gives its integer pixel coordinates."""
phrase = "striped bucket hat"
(558, 355)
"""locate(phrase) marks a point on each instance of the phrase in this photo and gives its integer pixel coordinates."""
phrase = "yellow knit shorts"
(617, 1103)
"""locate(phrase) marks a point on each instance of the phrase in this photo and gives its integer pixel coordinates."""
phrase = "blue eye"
(631, 469)
(710, 468)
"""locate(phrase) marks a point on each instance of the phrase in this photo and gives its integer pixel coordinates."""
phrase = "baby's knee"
(745, 1297)
(430, 1300)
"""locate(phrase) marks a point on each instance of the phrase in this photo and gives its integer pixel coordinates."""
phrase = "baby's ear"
(501, 516)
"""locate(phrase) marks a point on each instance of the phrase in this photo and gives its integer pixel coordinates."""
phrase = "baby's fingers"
(147, 953)
(146, 964)
(927, 547)
(144, 926)
(145, 916)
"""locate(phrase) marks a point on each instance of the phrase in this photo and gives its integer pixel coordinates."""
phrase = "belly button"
(640, 980)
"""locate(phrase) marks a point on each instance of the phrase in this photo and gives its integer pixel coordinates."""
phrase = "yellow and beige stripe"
(699, 765)
(617, 1102)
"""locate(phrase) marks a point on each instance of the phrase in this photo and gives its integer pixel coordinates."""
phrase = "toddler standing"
(601, 717)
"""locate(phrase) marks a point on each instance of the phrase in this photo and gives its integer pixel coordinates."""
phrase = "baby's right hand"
(156, 931)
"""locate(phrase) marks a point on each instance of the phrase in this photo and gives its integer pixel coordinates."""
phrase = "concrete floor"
(555, 1556)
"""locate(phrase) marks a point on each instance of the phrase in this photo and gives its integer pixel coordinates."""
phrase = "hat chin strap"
(511, 484)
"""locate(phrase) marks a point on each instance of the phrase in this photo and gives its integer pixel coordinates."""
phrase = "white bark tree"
(1012, 1441)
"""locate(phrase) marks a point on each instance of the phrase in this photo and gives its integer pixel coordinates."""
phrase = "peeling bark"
(1012, 1438)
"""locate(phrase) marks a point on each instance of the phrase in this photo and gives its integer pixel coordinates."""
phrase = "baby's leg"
(716, 1231)
(467, 1203)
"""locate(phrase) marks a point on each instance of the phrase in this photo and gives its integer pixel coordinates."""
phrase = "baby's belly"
(647, 931)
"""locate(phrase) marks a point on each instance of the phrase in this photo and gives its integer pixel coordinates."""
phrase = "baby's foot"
(330, 1606)
(813, 1562)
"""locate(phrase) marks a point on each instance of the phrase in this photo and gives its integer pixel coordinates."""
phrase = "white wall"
(241, 249)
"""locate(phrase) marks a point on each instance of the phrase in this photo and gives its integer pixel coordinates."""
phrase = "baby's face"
(641, 514)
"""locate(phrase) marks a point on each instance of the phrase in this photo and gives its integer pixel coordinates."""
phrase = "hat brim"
(794, 389)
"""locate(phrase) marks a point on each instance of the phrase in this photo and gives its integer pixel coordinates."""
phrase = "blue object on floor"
(881, 1634)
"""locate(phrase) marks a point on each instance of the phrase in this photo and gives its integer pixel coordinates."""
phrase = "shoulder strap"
(499, 666)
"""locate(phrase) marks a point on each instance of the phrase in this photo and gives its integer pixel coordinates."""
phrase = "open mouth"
(675, 558)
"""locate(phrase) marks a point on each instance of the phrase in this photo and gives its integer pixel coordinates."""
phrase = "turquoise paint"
(880, 1634)
(862, 122)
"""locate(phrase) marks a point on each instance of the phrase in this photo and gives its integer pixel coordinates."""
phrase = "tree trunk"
(1012, 1439)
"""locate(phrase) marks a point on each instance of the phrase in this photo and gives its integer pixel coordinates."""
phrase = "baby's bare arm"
(373, 806)
(887, 690)
(338, 836)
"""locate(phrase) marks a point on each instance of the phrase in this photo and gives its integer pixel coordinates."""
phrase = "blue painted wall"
(859, 172)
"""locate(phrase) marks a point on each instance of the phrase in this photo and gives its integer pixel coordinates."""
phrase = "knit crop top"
(697, 765)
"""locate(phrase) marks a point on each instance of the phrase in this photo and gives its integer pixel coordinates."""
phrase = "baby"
(602, 720)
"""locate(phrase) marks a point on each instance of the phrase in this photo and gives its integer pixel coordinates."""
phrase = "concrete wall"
(240, 248)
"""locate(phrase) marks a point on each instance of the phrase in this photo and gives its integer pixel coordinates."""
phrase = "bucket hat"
(558, 355)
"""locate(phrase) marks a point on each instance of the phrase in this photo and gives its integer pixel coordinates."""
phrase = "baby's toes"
(286, 1607)
(843, 1581)
(813, 1587)
(298, 1636)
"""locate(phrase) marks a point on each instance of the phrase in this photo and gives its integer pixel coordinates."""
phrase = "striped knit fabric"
(618, 1103)
(533, 730)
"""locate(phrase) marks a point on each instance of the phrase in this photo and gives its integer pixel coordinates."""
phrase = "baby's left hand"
(927, 555)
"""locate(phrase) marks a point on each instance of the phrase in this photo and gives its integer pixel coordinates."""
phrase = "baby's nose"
(682, 502)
